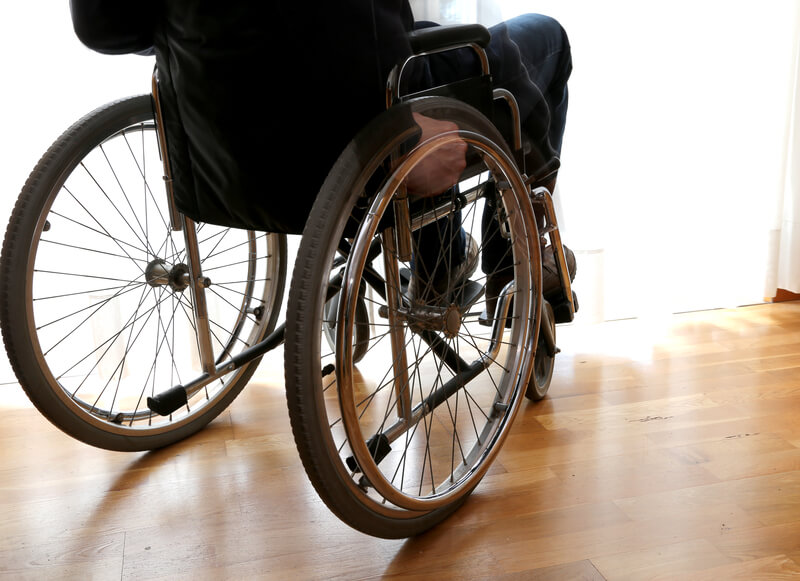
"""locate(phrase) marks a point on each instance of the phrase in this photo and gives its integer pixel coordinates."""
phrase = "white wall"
(49, 80)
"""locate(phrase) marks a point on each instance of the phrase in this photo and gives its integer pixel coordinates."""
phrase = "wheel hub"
(446, 320)
(159, 273)
(451, 323)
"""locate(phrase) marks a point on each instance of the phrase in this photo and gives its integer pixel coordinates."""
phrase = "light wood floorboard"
(667, 449)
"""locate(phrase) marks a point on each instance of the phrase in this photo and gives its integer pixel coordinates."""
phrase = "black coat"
(259, 98)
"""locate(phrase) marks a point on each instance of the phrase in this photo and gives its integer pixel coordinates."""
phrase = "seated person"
(260, 98)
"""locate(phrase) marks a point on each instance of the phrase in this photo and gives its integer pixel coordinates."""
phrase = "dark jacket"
(259, 98)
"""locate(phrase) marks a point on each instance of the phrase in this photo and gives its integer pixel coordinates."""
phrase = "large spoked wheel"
(96, 310)
(394, 442)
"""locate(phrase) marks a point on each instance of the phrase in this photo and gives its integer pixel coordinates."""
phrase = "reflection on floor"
(663, 451)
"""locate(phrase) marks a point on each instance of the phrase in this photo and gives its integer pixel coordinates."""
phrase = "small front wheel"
(544, 359)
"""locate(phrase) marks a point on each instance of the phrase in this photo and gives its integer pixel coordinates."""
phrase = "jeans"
(529, 56)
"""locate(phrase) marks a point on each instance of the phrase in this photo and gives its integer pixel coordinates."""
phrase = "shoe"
(442, 288)
(551, 282)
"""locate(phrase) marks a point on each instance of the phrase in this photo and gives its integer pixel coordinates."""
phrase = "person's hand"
(440, 169)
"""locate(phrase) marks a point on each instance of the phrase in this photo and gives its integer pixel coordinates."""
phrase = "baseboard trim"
(782, 295)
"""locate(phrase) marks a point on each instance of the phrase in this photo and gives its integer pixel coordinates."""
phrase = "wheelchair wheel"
(544, 361)
(96, 315)
(395, 442)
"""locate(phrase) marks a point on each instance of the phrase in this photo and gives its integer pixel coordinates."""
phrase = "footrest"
(469, 294)
(562, 312)
(488, 321)
(168, 401)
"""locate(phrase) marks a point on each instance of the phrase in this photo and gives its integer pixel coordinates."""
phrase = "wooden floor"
(667, 449)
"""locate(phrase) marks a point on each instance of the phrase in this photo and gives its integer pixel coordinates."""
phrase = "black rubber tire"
(543, 362)
(31, 218)
(334, 479)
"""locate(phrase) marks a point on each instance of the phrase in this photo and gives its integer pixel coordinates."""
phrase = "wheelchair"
(131, 327)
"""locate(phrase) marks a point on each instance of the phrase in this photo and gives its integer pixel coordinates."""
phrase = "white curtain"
(786, 238)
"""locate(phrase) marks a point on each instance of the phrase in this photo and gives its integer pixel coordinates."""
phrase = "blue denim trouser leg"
(530, 56)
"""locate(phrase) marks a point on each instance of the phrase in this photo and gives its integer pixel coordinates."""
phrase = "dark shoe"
(441, 289)
(551, 282)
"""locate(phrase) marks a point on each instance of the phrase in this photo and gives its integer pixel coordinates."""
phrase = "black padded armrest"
(443, 37)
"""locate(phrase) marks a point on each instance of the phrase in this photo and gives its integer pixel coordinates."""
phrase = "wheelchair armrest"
(443, 37)
(476, 90)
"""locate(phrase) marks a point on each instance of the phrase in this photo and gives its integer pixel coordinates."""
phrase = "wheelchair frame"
(406, 513)
(424, 42)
